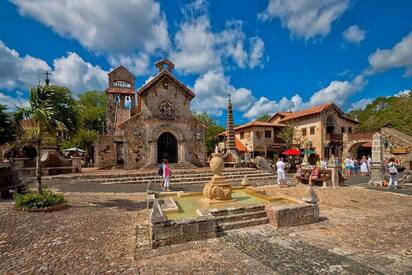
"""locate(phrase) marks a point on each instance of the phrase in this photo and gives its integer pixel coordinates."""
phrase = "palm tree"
(51, 109)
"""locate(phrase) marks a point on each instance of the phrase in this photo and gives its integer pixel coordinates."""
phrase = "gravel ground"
(361, 232)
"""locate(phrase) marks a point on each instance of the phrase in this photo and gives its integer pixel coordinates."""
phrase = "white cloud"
(337, 92)
(195, 47)
(400, 56)
(257, 49)
(212, 90)
(305, 18)
(199, 49)
(71, 71)
(19, 72)
(12, 101)
(138, 64)
(403, 93)
(103, 25)
(354, 34)
(361, 104)
(78, 75)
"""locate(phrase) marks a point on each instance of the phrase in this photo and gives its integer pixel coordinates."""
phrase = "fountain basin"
(180, 217)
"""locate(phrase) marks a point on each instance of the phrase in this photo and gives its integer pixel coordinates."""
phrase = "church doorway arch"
(167, 148)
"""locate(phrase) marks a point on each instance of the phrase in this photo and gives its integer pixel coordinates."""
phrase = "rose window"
(167, 111)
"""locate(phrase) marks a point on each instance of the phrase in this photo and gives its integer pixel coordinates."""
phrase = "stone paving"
(361, 232)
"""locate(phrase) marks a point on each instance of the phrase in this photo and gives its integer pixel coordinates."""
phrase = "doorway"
(167, 148)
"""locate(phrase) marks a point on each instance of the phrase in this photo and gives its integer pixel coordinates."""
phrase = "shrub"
(35, 201)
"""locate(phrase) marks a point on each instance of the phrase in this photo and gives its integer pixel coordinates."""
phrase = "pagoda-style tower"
(230, 141)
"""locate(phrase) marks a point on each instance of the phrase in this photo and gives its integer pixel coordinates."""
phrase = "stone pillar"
(76, 164)
(152, 153)
(377, 177)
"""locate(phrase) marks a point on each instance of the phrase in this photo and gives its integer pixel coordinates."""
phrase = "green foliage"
(286, 134)
(83, 139)
(51, 108)
(91, 109)
(7, 131)
(32, 200)
(263, 117)
(394, 112)
(212, 131)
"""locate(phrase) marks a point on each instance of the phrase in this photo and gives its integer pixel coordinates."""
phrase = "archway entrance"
(167, 148)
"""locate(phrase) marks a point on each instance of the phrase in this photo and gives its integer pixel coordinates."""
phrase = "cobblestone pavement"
(94, 235)
(361, 232)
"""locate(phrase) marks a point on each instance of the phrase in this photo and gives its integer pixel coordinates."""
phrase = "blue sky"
(269, 55)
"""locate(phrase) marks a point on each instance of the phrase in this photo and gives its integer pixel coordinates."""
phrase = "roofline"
(142, 89)
(123, 68)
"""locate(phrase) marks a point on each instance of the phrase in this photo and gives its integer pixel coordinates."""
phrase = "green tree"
(7, 131)
(287, 134)
(263, 117)
(91, 109)
(212, 131)
(51, 109)
(394, 112)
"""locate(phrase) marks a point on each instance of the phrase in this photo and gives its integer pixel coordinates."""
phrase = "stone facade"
(160, 126)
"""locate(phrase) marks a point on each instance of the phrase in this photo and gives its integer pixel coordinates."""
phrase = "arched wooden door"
(167, 148)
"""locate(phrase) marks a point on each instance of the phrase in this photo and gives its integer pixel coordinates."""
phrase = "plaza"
(361, 230)
(205, 137)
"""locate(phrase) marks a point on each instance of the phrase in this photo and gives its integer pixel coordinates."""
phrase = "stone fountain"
(218, 189)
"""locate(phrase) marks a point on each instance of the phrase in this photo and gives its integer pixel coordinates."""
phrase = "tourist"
(280, 167)
(355, 166)
(364, 167)
(323, 164)
(314, 174)
(369, 162)
(347, 163)
(393, 173)
(166, 175)
(298, 174)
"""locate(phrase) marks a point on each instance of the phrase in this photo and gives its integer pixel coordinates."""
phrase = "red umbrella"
(291, 152)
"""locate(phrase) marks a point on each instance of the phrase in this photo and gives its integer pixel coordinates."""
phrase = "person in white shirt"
(280, 167)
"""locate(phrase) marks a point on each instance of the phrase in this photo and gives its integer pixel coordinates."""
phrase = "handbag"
(393, 170)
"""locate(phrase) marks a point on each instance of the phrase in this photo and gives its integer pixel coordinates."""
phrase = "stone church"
(151, 124)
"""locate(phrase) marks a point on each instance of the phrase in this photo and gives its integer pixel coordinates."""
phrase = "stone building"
(323, 126)
(257, 137)
(149, 125)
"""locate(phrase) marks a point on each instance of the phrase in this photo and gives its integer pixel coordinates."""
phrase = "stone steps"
(188, 181)
(143, 173)
(200, 176)
(240, 224)
(241, 217)
(154, 176)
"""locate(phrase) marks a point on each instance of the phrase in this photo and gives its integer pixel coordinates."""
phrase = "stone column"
(76, 164)
(152, 153)
(377, 177)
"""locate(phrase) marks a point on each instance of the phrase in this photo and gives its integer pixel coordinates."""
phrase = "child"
(298, 174)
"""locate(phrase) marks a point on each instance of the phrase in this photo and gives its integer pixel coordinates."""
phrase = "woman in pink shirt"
(166, 175)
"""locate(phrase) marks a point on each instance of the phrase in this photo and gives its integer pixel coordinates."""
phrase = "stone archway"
(357, 150)
(167, 148)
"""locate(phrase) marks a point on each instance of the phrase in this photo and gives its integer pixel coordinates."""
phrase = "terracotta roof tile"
(239, 145)
(306, 112)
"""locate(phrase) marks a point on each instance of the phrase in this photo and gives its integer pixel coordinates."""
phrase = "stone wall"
(105, 151)
(285, 216)
(167, 232)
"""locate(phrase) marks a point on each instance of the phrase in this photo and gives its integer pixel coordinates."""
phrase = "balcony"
(334, 137)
